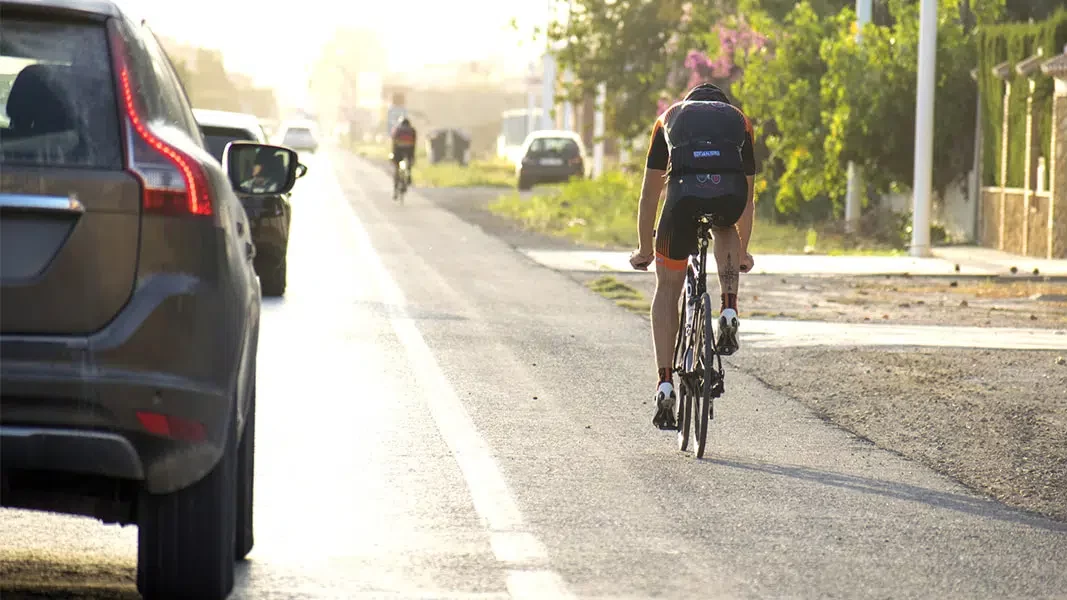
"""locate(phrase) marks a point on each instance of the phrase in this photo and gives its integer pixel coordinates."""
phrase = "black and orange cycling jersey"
(706, 149)
(714, 137)
(404, 137)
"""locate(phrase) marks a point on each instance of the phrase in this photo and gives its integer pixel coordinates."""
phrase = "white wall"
(955, 212)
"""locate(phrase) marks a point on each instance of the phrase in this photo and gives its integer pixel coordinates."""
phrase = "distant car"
(129, 305)
(270, 214)
(299, 136)
(550, 156)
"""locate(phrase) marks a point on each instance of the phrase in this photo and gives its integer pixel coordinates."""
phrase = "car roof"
(99, 8)
(222, 118)
(555, 133)
(299, 124)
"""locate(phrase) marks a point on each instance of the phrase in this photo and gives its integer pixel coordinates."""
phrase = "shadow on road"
(963, 503)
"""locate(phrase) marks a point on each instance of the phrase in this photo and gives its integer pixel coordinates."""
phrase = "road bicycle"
(696, 357)
(401, 176)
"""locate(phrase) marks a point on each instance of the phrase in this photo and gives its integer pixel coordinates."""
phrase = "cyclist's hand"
(747, 263)
(641, 261)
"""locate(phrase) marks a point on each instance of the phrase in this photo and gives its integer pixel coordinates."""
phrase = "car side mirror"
(260, 169)
(301, 170)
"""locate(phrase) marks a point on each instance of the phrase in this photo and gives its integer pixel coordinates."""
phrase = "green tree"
(630, 46)
(835, 100)
(1022, 10)
(780, 90)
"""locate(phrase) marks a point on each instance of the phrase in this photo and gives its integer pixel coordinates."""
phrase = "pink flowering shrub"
(699, 67)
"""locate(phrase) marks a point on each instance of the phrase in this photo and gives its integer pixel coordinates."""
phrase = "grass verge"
(622, 294)
(478, 173)
(603, 212)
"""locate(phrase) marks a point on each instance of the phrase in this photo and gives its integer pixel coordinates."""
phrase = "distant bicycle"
(696, 358)
(401, 177)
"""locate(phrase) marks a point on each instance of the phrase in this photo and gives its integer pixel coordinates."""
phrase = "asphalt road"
(442, 417)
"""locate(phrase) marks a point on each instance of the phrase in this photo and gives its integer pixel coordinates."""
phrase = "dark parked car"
(449, 145)
(270, 214)
(550, 156)
(129, 306)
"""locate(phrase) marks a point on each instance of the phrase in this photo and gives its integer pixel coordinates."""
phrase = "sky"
(276, 43)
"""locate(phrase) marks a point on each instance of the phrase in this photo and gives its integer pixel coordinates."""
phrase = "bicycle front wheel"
(705, 348)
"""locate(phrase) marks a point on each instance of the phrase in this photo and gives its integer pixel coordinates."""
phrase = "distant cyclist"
(404, 138)
(704, 145)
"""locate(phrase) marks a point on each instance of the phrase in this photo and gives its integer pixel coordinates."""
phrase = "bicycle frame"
(696, 285)
(400, 177)
(696, 357)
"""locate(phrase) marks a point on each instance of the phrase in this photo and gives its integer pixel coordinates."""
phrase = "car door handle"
(35, 203)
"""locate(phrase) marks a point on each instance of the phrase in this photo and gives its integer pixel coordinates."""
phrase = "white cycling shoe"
(727, 341)
(665, 400)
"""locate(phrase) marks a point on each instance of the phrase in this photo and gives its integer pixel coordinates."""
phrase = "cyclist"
(701, 150)
(268, 174)
(404, 138)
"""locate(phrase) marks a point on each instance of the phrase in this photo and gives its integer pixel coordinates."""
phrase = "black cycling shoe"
(665, 401)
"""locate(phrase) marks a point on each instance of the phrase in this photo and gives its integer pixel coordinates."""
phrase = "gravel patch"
(994, 420)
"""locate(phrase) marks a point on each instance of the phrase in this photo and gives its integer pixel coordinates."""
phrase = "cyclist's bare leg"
(728, 258)
(669, 283)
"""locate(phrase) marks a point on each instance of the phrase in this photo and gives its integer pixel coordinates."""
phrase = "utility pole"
(531, 100)
(568, 106)
(853, 200)
(548, 90)
(924, 128)
(598, 131)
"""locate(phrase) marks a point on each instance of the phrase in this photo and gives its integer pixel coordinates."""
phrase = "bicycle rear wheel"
(702, 395)
(683, 408)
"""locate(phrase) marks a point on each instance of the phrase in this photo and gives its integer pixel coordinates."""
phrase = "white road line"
(509, 538)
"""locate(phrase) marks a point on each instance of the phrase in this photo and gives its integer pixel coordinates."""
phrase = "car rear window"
(556, 146)
(57, 96)
(298, 134)
(217, 138)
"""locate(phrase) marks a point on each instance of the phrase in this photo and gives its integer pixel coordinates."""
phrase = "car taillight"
(174, 182)
(173, 427)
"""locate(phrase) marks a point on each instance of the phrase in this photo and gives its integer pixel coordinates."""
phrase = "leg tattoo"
(731, 276)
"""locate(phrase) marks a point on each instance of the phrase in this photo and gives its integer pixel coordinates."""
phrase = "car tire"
(525, 183)
(274, 284)
(185, 539)
(244, 537)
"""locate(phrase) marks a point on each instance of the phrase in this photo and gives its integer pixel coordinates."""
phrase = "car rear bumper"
(86, 404)
(550, 173)
(70, 450)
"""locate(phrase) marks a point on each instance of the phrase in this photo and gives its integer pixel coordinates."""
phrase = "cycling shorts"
(723, 197)
(404, 152)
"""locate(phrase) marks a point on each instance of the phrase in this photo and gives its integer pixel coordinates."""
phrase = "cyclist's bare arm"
(744, 224)
(651, 190)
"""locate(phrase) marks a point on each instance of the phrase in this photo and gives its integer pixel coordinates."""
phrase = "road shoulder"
(995, 420)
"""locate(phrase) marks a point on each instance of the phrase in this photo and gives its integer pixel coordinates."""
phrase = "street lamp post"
(924, 129)
(853, 206)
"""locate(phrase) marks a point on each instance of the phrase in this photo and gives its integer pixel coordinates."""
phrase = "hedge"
(1015, 42)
